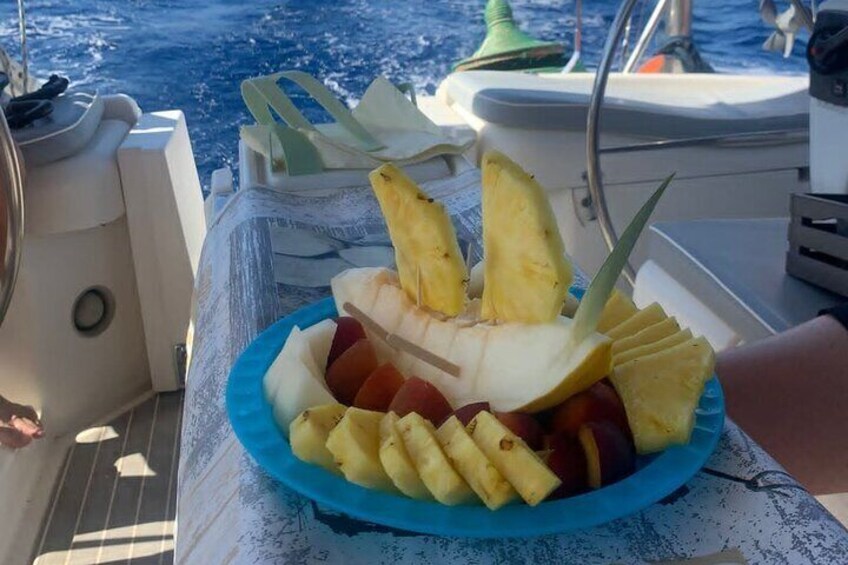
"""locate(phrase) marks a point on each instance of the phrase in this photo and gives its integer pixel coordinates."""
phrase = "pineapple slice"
(433, 466)
(472, 464)
(648, 335)
(426, 249)
(527, 473)
(308, 434)
(526, 274)
(665, 343)
(396, 461)
(355, 446)
(617, 309)
(638, 322)
(661, 391)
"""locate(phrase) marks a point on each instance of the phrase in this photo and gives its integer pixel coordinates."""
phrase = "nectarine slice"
(378, 390)
(609, 454)
(598, 403)
(349, 371)
(419, 396)
(348, 332)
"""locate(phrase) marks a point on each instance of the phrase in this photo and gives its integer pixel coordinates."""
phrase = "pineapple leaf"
(589, 312)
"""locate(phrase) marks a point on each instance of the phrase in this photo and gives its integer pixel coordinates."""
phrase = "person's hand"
(19, 424)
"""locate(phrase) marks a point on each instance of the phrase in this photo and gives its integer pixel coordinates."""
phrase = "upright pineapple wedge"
(527, 473)
(526, 274)
(433, 466)
(638, 322)
(355, 446)
(308, 434)
(645, 336)
(426, 250)
(649, 348)
(489, 484)
(396, 461)
(617, 309)
(661, 391)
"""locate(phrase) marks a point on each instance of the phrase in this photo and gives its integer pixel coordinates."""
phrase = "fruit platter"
(479, 400)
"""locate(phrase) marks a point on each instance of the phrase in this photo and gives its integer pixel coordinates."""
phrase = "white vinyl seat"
(670, 106)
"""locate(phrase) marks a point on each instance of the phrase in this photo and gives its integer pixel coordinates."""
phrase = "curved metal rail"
(593, 164)
(11, 215)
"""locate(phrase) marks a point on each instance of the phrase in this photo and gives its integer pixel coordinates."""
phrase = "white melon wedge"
(320, 339)
(387, 311)
(652, 333)
(360, 286)
(412, 328)
(438, 340)
(647, 349)
(639, 321)
(295, 381)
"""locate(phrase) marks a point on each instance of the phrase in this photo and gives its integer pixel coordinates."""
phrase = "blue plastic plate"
(254, 425)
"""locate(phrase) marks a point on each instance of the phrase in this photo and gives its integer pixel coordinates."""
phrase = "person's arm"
(790, 393)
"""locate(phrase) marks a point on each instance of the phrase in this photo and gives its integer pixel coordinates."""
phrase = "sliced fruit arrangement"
(425, 392)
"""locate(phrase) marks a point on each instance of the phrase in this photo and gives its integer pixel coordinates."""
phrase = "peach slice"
(350, 370)
(568, 462)
(524, 426)
(378, 390)
(419, 396)
(609, 454)
(348, 332)
(598, 403)
(467, 412)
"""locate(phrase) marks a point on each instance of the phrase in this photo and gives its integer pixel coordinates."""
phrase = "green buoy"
(507, 48)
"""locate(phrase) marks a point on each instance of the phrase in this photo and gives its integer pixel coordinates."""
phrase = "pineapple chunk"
(617, 309)
(433, 466)
(308, 434)
(665, 343)
(426, 249)
(638, 322)
(652, 333)
(527, 473)
(526, 273)
(355, 446)
(396, 461)
(475, 468)
(661, 391)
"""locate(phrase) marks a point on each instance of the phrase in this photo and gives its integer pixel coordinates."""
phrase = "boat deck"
(115, 499)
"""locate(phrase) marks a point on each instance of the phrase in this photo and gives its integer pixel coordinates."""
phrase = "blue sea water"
(192, 54)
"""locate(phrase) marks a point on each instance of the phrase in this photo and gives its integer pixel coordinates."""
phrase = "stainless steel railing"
(593, 163)
(11, 215)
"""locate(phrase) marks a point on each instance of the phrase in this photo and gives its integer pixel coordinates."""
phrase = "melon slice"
(426, 249)
(360, 286)
(412, 327)
(320, 338)
(617, 309)
(650, 334)
(665, 343)
(661, 391)
(638, 322)
(293, 382)
(526, 274)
